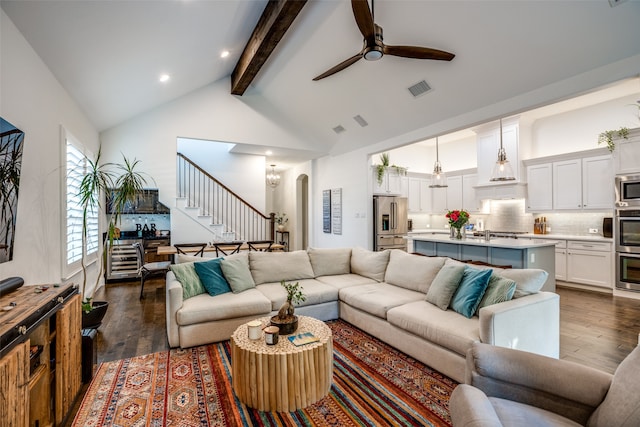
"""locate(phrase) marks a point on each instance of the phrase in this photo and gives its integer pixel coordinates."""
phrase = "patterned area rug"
(373, 385)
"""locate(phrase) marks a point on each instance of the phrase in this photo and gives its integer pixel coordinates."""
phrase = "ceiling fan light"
(373, 53)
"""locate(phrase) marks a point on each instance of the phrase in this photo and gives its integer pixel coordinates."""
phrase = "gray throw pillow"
(444, 285)
(500, 289)
(236, 271)
(186, 274)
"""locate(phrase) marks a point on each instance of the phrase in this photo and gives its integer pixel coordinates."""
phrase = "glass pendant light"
(438, 179)
(273, 177)
(502, 171)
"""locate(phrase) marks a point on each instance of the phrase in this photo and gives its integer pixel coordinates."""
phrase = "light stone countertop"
(589, 238)
(494, 243)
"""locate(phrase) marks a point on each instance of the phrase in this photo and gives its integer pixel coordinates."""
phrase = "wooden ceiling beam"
(276, 19)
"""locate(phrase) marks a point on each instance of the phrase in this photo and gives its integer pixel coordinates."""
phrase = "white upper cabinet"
(567, 184)
(393, 184)
(488, 143)
(597, 183)
(419, 195)
(540, 187)
(470, 201)
(439, 199)
(583, 183)
(454, 192)
(627, 154)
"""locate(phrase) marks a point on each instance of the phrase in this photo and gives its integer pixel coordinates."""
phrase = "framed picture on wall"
(336, 211)
(326, 211)
(11, 144)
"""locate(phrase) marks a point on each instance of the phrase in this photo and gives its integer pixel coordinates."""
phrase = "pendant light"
(273, 177)
(438, 179)
(502, 171)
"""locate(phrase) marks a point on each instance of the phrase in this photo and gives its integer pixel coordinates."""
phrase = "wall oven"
(627, 191)
(627, 241)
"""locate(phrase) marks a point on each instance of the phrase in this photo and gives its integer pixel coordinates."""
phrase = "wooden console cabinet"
(40, 355)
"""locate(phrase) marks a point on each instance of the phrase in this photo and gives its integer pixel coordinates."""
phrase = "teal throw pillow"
(500, 289)
(188, 278)
(472, 287)
(237, 273)
(211, 276)
(444, 285)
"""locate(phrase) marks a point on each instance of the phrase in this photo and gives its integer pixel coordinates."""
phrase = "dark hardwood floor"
(596, 329)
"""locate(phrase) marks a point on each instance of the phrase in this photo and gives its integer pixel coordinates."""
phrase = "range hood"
(146, 202)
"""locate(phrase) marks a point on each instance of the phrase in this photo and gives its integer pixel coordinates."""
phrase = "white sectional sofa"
(386, 294)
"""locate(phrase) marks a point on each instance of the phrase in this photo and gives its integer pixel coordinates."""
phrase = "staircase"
(218, 209)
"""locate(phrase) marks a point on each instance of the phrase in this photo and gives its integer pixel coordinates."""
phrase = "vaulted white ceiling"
(109, 54)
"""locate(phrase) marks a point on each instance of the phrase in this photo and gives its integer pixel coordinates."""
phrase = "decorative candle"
(254, 329)
(271, 335)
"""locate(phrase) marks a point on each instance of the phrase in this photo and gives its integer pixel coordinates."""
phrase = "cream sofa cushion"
(205, 308)
(528, 281)
(446, 328)
(369, 264)
(314, 291)
(330, 261)
(378, 298)
(269, 267)
(345, 280)
(413, 272)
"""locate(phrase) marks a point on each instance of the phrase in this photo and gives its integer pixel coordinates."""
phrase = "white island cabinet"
(516, 253)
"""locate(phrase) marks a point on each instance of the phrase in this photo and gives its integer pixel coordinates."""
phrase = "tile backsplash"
(510, 215)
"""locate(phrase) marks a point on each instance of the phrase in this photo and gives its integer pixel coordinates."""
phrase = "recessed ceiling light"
(164, 78)
(224, 54)
(268, 152)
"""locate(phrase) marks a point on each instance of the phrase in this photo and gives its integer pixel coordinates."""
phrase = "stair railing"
(225, 207)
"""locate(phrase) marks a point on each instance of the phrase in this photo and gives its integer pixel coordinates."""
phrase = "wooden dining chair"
(194, 249)
(148, 269)
(260, 245)
(227, 248)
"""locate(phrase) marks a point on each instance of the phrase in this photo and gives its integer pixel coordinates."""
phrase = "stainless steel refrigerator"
(390, 223)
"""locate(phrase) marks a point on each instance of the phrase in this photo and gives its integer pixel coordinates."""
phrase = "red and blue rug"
(373, 385)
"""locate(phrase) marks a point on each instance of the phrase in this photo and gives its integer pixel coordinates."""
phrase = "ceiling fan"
(374, 48)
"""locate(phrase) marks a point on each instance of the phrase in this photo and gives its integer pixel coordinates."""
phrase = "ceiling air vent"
(361, 121)
(419, 88)
(339, 129)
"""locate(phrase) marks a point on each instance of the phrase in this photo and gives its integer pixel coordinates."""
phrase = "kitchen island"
(517, 253)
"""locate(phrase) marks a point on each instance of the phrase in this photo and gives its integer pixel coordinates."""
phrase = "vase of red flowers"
(457, 220)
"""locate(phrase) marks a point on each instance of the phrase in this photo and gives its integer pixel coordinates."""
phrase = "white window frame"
(71, 264)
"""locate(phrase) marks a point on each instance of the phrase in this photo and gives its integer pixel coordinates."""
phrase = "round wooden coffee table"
(282, 377)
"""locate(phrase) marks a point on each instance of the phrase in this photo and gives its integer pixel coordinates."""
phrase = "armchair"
(506, 387)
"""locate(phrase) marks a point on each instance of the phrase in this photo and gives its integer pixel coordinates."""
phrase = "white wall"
(34, 102)
(244, 174)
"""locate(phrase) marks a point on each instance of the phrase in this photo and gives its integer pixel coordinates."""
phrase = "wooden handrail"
(207, 177)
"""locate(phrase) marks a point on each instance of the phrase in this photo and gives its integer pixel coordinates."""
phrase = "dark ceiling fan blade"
(418, 52)
(364, 19)
(341, 66)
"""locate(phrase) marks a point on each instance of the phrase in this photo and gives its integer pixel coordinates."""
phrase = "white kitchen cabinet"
(454, 193)
(540, 188)
(439, 200)
(488, 144)
(561, 264)
(597, 182)
(627, 154)
(590, 263)
(567, 184)
(583, 183)
(393, 184)
(419, 195)
(470, 200)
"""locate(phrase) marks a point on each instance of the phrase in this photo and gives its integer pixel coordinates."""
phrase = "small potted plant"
(281, 220)
(286, 320)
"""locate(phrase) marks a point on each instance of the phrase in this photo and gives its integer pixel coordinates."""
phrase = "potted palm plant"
(124, 182)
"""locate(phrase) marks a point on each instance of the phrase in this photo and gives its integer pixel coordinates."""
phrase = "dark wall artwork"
(11, 143)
